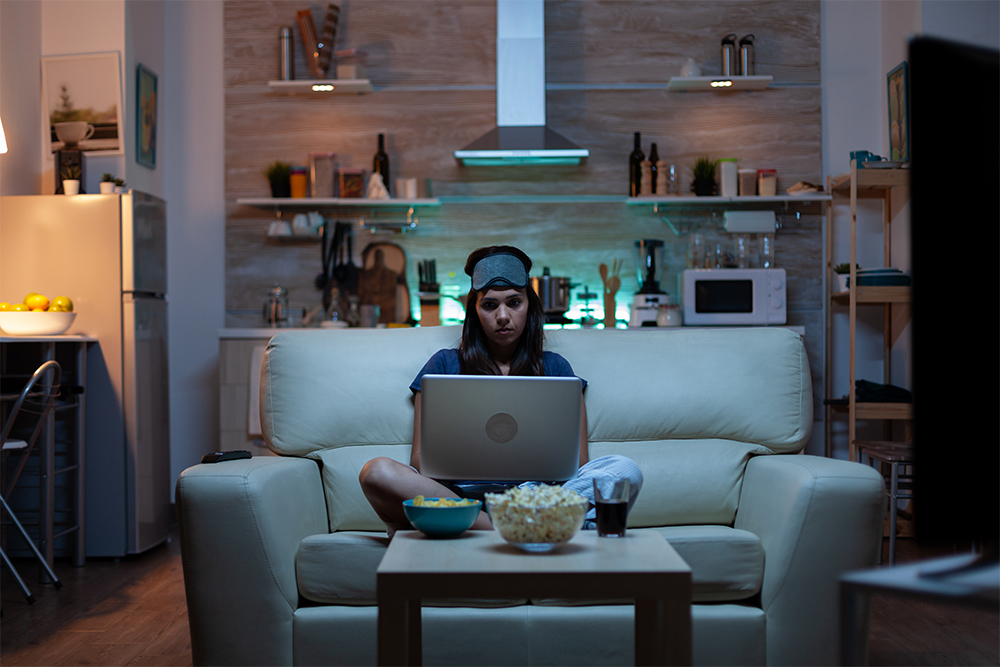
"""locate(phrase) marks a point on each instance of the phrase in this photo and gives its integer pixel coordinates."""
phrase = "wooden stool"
(896, 456)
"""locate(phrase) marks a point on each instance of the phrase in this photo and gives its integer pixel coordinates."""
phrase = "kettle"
(276, 306)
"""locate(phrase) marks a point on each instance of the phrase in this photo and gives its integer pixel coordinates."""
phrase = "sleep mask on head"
(501, 268)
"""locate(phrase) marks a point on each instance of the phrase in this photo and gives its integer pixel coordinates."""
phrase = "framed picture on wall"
(81, 103)
(899, 126)
(145, 121)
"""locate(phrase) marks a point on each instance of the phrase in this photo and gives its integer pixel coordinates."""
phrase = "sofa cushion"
(685, 481)
(323, 389)
(346, 505)
(339, 568)
(726, 565)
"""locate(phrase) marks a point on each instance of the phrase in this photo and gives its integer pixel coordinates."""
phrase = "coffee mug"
(74, 132)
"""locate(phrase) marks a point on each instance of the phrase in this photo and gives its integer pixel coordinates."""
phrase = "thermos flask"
(746, 55)
(729, 55)
(286, 57)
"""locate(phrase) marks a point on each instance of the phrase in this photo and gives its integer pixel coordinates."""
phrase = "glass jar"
(766, 251)
(276, 306)
(767, 182)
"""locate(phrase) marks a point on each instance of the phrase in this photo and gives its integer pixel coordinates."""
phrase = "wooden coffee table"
(641, 566)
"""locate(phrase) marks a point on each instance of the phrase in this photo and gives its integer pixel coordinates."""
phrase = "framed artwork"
(81, 103)
(145, 121)
(899, 126)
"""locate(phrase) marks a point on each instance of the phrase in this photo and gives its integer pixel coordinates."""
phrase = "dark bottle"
(653, 159)
(380, 164)
(635, 169)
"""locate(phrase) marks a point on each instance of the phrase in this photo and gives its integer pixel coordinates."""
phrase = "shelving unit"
(865, 184)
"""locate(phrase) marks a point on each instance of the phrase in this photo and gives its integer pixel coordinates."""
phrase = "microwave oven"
(714, 297)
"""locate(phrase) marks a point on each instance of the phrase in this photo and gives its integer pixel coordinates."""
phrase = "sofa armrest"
(817, 518)
(240, 527)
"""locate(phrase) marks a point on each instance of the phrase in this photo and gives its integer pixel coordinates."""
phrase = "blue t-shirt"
(446, 362)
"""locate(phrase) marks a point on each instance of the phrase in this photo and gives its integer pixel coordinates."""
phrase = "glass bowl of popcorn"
(536, 518)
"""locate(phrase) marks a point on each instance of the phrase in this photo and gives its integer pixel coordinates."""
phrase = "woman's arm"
(415, 449)
(584, 450)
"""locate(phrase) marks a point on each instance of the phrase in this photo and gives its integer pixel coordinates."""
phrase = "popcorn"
(537, 514)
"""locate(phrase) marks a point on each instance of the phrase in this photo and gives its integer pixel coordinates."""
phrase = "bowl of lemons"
(36, 315)
(442, 517)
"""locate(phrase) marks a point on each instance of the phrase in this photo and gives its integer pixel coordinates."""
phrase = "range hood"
(521, 136)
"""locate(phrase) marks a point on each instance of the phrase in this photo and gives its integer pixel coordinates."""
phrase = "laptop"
(500, 428)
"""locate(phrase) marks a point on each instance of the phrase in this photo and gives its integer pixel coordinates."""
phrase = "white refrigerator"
(108, 254)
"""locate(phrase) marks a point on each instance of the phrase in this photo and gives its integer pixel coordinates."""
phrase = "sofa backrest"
(689, 405)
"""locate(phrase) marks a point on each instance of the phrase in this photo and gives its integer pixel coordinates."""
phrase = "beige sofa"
(280, 553)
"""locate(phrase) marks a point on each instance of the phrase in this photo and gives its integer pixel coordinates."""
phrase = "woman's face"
(503, 313)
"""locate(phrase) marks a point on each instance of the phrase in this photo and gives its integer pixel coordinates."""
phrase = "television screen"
(954, 116)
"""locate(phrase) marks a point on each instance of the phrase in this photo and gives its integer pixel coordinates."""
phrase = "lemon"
(20, 308)
(5, 306)
(37, 301)
(62, 303)
(27, 296)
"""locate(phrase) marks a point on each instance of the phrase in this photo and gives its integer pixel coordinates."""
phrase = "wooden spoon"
(613, 284)
(604, 274)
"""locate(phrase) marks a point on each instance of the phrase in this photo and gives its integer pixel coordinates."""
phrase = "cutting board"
(382, 281)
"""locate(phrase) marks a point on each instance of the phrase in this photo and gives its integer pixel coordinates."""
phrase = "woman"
(502, 335)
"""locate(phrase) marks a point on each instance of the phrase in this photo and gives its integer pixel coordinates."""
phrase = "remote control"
(218, 457)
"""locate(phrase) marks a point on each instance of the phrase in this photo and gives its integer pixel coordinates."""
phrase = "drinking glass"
(611, 501)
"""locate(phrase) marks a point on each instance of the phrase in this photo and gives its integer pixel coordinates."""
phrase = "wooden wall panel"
(432, 63)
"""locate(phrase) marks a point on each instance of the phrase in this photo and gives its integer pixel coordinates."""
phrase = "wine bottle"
(380, 164)
(654, 157)
(635, 169)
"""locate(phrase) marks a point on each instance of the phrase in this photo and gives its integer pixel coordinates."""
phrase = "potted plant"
(119, 185)
(107, 184)
(843, 272)
(71, 180)
(279, 176)
(703, 171)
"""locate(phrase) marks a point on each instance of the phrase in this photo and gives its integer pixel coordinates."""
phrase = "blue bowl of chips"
(442, 517)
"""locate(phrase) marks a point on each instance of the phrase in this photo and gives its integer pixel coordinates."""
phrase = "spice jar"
(748, 182)
(299, 180)
(767, 182)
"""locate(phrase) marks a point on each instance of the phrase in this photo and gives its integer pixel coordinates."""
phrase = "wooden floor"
(132, 612)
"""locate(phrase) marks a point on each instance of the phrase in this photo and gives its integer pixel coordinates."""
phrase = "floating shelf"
(335, 202)
(693, 200)
(718, 83)
(322, 86)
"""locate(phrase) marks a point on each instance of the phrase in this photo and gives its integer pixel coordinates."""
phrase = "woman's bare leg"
(386, 483)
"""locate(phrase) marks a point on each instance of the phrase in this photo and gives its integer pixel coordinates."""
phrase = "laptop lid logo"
(501, 427)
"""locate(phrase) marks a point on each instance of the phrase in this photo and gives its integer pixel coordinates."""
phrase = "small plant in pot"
(120, 185)
(843, 272)
(279, 176)
(703, 171)
(107, 184)
(71, 180)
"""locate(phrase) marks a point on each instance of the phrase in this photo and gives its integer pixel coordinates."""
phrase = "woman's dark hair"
(474, 354)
